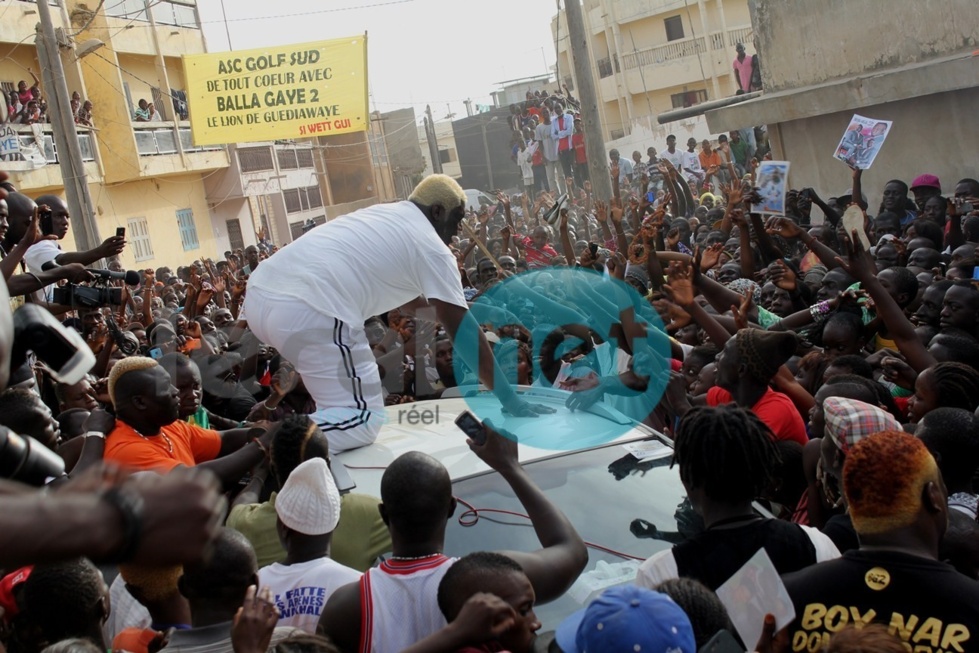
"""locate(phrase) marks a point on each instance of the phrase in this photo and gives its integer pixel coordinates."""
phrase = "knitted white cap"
(309, 501)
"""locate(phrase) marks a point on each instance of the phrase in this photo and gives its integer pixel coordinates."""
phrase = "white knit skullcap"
(309, 501)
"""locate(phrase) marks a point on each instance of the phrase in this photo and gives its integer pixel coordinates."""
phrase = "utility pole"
(598, 170)
(433, 144)
(65, 137)
(469, 108)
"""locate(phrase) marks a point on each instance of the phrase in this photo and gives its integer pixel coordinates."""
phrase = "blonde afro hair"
(439, 189)
(125, 366)
(155, 583)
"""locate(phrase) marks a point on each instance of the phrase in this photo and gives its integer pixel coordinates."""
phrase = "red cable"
(466, 521)
(470, 517)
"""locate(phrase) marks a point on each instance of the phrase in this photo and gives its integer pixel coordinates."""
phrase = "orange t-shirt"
(191, 445)
(775, 409)
(712, 159)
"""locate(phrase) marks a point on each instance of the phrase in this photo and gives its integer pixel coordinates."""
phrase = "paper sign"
(752, 592)
(648, 450)
(861, 141)
(289, 91)
(9, 142)
(772, 180)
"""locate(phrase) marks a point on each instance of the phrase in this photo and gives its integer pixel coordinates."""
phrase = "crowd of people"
(827, 369)
(27, 105)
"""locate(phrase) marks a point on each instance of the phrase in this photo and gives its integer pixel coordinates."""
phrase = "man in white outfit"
(310, 300)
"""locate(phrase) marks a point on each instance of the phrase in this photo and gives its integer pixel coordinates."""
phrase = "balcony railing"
(34, 146)
(676, 50)
(157, 138)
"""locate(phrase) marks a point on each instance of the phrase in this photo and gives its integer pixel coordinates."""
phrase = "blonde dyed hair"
(439, 189)
(155, 583)
(884, 477)
(125, 366)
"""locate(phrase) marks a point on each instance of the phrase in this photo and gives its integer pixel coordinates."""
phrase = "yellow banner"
(291, 91)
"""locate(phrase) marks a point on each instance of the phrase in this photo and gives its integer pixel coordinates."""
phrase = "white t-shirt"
(363, 264)
(37, 255)
(676, 158)
(40, 253)
(301, 590)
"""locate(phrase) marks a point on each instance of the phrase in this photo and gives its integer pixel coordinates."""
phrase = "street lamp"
(489, 166)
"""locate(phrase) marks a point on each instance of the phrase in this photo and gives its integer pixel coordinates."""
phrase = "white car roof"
(429, 427)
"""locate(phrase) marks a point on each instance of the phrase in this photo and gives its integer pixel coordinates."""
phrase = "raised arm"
(860, 265)
(553, 568)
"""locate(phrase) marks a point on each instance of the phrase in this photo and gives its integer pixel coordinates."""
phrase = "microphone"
(131, 277)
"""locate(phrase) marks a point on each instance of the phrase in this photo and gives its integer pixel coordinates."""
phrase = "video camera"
(98, 294)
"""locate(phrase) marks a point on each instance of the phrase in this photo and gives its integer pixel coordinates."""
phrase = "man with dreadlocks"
(726, 457)
(898, 503)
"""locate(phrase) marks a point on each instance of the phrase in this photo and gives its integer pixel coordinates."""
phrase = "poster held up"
(772, 181)
(861, 141)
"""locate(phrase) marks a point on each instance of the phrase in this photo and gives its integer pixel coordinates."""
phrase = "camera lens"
(26, 460)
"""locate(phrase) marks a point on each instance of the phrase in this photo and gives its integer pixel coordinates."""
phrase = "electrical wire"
(470, 517)
(311, 13)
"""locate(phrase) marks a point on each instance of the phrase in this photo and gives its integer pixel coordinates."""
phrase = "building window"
(188, 230)
(688, 98)
(293, 204)
(253, 159)
(446, 156)
(297, 229)
(305, 157)
(234, 234)
(302, 199)
(674, 28)
(138, 235)
(287, 159)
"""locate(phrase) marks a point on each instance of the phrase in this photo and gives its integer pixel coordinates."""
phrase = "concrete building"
(177, 202)
(515, 91)
(146, 177)
(915, 66)
(651, 56)
(448, 154)
(404, 151)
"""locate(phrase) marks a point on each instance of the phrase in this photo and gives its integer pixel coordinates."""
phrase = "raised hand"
(251, 631)
(711, 256)
(601, 211)
(616, 210)
(680, 286)
(741, 312)
(616, 266)
(783, 276)
(783, 227)
(732, 193)
(859, 264)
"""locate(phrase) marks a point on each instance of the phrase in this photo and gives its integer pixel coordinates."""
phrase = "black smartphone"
(472, 427)
(722, 642)
(120, 232)
(593, 247)
(46, 222)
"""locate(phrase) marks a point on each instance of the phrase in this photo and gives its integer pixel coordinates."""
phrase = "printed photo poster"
(772, 181)
(861, 141)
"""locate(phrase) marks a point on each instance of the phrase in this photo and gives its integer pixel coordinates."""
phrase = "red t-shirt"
(578, 142)
(774, 409)
(536, 258)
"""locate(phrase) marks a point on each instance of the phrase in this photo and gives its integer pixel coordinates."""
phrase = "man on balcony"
(146, 112)
(743, 69)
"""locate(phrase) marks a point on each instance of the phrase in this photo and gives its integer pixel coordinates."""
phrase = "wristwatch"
(95, 434)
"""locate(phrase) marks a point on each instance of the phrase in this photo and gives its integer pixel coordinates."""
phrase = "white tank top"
(399, 603)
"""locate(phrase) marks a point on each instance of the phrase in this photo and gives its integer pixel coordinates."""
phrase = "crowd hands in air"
(837, 383)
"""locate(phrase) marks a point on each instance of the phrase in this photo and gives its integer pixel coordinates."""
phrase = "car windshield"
(602, 491)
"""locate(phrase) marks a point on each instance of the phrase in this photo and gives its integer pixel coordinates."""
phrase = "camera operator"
(104, 513)
(55, 222)
(17, 240)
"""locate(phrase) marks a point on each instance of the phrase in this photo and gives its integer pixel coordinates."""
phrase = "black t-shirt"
(839, 528)
(715, 554)
(926, 603)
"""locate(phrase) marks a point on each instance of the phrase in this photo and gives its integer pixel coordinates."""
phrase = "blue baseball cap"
(628, 618)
